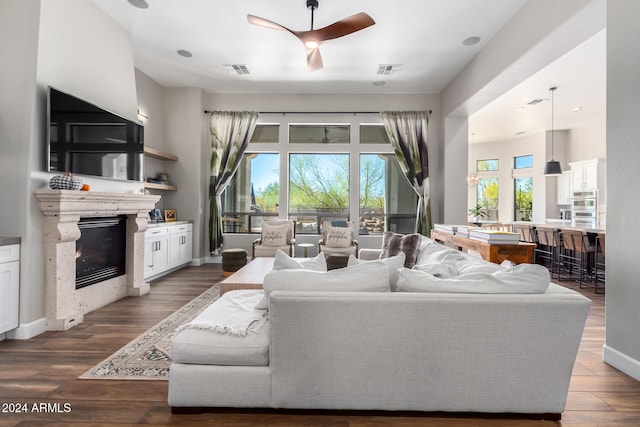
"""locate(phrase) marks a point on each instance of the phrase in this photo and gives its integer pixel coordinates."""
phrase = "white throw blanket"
(233, 314)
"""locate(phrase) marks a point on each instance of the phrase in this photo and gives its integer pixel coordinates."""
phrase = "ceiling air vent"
(386, 69)
(535, 101)
(239, 69)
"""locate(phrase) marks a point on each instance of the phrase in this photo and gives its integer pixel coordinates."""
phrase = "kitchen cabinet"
(584, 175)
(9, 287)
(564, 188)
(156, 251)
(167, 247)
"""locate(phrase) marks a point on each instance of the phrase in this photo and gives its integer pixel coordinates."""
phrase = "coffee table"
(250, 276)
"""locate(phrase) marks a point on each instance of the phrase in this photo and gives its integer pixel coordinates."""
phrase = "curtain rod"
(312, 112)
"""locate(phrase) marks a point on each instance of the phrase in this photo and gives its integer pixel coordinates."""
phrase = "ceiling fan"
(313, 38)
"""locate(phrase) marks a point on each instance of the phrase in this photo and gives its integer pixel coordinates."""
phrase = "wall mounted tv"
(85, 139)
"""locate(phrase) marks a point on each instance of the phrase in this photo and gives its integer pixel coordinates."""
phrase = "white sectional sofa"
(396, 351)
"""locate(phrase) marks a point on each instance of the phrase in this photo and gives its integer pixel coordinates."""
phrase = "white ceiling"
(424, 36)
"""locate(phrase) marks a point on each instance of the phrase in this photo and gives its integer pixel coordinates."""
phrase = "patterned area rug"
(148, 356)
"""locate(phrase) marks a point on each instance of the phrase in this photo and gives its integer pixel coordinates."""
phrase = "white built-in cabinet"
(584, 175)
(9, 287)
(564, 190)
(167, 247)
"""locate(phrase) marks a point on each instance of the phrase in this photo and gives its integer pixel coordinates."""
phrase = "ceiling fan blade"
(314, 59)
(343, 27)
(256, 20)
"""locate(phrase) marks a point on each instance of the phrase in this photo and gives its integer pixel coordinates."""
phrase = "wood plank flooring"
(44, 371)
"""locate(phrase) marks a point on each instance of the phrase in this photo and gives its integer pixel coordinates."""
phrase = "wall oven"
(584, 207)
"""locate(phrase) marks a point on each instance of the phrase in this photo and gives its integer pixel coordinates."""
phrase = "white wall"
(19, 22)
(588, 142)
(622, 348)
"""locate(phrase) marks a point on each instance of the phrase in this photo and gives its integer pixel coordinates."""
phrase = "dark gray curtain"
(230, 135)
(407, 131)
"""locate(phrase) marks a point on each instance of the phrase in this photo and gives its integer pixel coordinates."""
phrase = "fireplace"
(100, 250)
(63, 212)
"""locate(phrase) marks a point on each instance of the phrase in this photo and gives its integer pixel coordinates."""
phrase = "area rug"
(148, 356)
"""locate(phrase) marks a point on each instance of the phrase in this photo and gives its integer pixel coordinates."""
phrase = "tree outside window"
(523, 199)
(318, 190)
(487, 195)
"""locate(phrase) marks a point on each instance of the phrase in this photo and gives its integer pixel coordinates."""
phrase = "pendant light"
(552, 167)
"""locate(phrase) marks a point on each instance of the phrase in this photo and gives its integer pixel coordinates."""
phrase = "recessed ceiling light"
(379, 83)
(576, 109)
(185, 53)
(470, 41)
(140, 4)
(520, 108)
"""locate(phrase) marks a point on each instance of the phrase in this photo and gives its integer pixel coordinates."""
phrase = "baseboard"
(214, 259)
(621, 361)
(28, 330)
(197, 262)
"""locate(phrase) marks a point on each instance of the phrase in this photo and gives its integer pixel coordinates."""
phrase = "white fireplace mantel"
(65, 306)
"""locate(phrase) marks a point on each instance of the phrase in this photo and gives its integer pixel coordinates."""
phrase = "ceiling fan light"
(311, 44)
(552, 168)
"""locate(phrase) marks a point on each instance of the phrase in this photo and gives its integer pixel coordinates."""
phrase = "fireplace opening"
(100, 250)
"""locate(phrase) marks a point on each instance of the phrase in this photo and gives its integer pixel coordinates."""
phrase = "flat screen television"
(87, 140)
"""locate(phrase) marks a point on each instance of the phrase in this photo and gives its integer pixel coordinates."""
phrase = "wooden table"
(250, 276)
(517, 253)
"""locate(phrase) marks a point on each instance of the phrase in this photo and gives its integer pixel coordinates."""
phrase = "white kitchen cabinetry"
(9, 287)
(584, 175)
(564, 189)
(156, 251)
(180, 245)
(167, 248)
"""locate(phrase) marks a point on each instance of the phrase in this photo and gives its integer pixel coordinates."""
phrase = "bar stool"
(600, 270)
(525, 232)
(576, 252)
(547, 245)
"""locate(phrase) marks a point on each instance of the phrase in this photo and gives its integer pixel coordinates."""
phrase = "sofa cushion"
(394, 264)
(366, 277)
(394, 243)
(521, 279)
(283, 261)
(206, 347)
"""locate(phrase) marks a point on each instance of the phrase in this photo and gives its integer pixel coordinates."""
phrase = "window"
(265, 133)
(319, 133)
(318, 190)
(523, 162)
(387, 201)
(252, 194)
(373, 134)
(487, 195)
(487, 165)
(523, 198)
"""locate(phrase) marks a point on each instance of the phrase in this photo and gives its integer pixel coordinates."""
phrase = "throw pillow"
(338, 237)
(274, 235)
(394, 264)
(394, 243)
(283, 261)
(366, 277)
(521, 279)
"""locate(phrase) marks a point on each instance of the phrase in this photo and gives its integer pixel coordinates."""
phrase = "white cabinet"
(584, 175)
(180, 245)
(156, 251)
(564, 189)
(167, 247)
(9, 287)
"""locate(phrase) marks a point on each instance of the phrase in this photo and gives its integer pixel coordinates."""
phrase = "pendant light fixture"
(552, 167)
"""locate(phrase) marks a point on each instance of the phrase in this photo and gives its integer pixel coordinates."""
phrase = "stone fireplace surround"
(62, 209)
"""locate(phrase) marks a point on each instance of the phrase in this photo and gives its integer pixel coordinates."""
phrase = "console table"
(517, 253)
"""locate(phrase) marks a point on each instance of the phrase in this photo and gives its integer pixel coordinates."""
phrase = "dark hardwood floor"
(44, 371)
